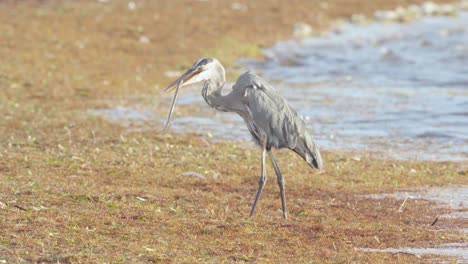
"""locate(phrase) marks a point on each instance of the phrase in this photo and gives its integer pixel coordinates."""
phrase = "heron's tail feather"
(309, 151)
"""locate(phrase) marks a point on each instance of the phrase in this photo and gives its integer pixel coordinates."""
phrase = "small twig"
(19, 207)
(435, 221)
(407, 253)
(403, 204)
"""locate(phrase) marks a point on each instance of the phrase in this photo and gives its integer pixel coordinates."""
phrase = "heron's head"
(202, 70)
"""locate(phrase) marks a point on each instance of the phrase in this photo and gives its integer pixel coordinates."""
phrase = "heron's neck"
(212, 94)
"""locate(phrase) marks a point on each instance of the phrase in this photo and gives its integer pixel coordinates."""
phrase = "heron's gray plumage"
(269, 118)
(269, 112)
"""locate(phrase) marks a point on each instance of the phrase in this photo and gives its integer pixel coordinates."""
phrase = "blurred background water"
(398, 89)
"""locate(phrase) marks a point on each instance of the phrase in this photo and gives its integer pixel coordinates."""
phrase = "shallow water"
(454, 198)
(124, 113)
(457, 250)
(401, 89)
(398, 90)
(131, 118)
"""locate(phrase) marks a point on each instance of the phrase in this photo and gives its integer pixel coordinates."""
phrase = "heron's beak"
(175, 85)
(182, 79)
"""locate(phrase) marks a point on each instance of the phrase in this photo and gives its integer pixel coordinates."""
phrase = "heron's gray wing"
(271, 113)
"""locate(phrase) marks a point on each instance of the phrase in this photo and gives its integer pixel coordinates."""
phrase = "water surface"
(400, 89)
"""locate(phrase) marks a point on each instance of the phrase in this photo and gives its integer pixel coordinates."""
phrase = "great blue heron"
(269, 118)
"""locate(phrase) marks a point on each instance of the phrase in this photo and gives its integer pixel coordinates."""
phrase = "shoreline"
(383, 20)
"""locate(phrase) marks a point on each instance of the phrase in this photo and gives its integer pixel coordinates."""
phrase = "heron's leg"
(280, 179)
(262, 181)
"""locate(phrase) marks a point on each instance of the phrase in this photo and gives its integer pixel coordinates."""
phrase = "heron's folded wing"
(272, 114)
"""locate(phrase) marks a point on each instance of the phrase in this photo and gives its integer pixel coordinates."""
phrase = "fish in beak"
(184, 79)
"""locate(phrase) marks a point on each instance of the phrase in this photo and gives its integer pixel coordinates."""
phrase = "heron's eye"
(202, 63)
